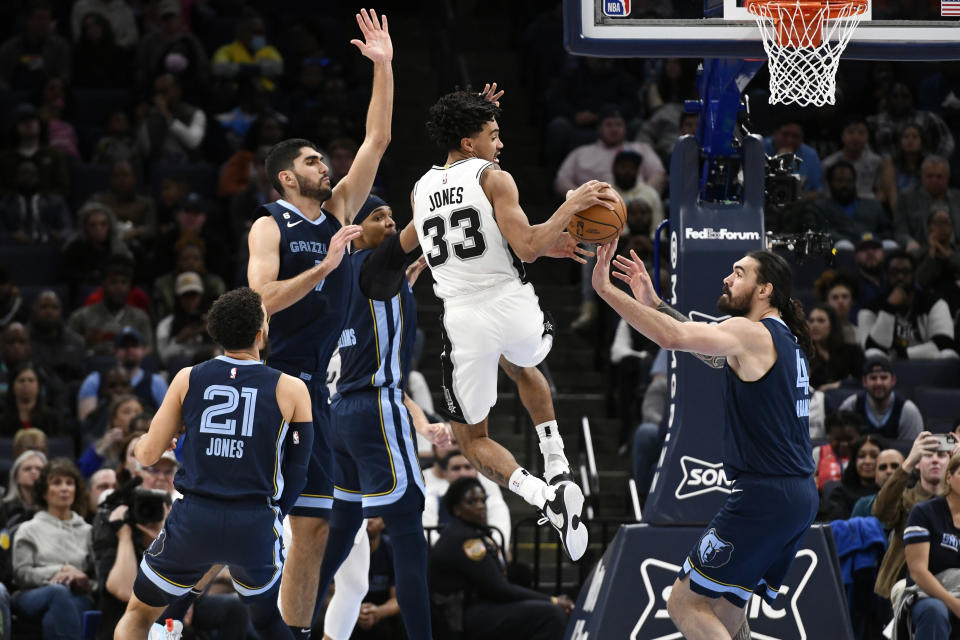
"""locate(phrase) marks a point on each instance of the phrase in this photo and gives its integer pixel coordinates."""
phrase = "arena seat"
(939, 407)
(928, 373)
(833, 398)
(92, 106)
(32, 265)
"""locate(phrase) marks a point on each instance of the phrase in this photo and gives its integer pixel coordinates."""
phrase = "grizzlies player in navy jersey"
(377, 470)
(248, 436)
(296, 264)
(750, 544)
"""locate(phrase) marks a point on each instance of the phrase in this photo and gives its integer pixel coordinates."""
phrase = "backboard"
(723, 29)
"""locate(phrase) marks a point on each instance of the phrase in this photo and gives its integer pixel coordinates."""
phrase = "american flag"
(950, 7)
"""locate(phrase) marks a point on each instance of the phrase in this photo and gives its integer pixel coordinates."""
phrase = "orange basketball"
(597, 224)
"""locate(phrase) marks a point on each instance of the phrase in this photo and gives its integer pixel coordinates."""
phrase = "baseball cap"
(128, 336)
(628, 154)
(170, 457)
(877, 361)
(188, 282)
(868, 241)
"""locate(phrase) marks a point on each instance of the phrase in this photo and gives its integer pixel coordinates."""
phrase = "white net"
(804, 41)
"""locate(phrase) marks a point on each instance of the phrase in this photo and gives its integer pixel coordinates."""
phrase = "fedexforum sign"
(709, 233)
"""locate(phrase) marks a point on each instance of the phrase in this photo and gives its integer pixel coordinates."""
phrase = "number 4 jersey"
(235, 436)
(458, 232)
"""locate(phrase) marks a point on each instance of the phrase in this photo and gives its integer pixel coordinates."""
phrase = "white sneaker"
(170, 630)
(563, 513)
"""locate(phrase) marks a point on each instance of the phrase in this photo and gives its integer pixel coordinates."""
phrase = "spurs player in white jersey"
(468, 220)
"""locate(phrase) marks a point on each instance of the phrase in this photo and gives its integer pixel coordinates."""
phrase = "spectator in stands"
(648, 436)
(629, 184)
(98, 61)
(342, 153)
(129, 350)
(379, 617)
(239, 172)
(25, 406)
(31, 216)
(447, 468)
(930, 549)
(15, 352)
(577, 101)
(31, 439)
(172, 129)
(107, 450)
(898, 111)
(471, 595)
(27, 59)
(843, 428)
(249, 56)
(136, 213)
(839, 291)
(855, 149)
(60, 134)
(174, 189)
(12, 307)
(896, 499)
(914, 206)
(595, 161)
(96, 244)
(907, 322)
(101, 481)
(102, 322)
(632, 354)
(888, 461)
(190, 258)
(834, 360)
(882, 410)
(663, 103)
(30, 145)
(191, 219)
(859, 479)
(844, 214)
(939, 267)
(117, 143)
(869, 256)
(244, 204)
(129, 467)
(172, 48)
(788, 138)
(19, 503)
(118, 13)
(183, 333)
(901, 169)
(55, 346)
(52, 563)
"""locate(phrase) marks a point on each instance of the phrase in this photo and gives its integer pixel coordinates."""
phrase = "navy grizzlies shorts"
(201, 532)
(375, 451)
(750, 544)
(316, 498)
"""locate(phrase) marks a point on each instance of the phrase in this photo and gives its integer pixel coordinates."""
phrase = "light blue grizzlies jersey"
(376, 346)
(235, 434)
(304, 335)
(766, 429)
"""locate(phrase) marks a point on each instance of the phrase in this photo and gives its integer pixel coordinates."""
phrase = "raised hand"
(491, 94)
(566, 247)
(376, 43)
(632, 271)
(601, 272)
(339, 242)
(590, 193)
(415, 269)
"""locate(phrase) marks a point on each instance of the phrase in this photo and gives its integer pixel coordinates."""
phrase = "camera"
(803, 244)
(145, 506)
(947, 441)
(781, 184)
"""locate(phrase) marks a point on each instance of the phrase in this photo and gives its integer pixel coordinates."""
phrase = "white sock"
(551, 446)
(529, 487)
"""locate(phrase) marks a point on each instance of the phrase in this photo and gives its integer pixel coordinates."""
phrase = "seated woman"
(51, 555)
(834, 359)
(859, 479)
(107, 451)
(930, 547)
(18, 503)
(467, 571)
(25, 404)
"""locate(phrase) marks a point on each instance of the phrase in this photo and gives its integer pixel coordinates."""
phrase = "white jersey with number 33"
(458, 232)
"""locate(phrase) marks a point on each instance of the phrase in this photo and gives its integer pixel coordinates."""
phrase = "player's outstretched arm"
(437, 433)
(351, 192)
(531, 242)
(264, 264)
(166, 423)
(730, 338)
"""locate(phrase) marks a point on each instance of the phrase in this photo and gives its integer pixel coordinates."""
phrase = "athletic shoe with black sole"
(563, 514)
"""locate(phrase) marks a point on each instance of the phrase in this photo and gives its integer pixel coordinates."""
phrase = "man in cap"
(880, 408)
(868, 254)
(184, 332)
(129, 351)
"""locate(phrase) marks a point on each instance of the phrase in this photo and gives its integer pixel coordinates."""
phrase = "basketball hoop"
(804, 40)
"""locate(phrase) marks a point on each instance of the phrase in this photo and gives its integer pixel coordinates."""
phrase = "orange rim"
(785, 14)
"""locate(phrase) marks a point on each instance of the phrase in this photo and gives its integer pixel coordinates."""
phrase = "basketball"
(597, 224)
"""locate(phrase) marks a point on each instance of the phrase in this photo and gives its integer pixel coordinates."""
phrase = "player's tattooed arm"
(715, 362)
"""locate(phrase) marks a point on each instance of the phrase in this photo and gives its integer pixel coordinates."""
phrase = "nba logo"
(616, 8)
(233, 373)
(296, 437)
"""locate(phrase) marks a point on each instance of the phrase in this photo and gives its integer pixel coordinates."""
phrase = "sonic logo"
(701, 477)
